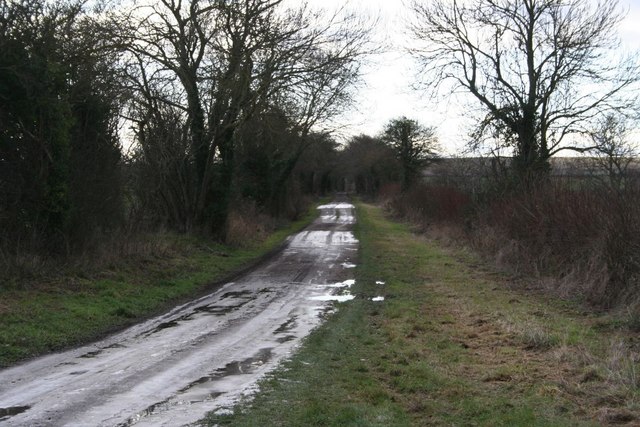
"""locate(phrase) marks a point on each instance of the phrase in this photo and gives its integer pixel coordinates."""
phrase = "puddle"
(219, 310)
(286, 326)
(166, 325)
(216, 309)
(90, 354)
(345, 284)
(116, 345)
(66, 364)
(377, 299)
(336, 298)
(342, 294)
(235, 294)
(332, 206)
(165, 405)
(286, 338)
(147, 412)
(6, 413)
(321, 239)
(246, 366)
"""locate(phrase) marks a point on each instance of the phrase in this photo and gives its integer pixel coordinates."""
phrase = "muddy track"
(201, 356)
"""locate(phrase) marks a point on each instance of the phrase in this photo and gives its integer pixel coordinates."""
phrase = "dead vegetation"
(523, 350)
(577, 240)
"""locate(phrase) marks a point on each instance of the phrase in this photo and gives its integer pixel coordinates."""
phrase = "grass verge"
(453, 343)
(70, 309)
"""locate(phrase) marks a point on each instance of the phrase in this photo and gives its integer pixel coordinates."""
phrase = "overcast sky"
(387, 92)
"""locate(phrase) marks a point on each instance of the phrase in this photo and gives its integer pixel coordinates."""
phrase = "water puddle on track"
(286, 338)
(335, 298)
(65, 364)
(236, 294)
(6, 413)
(90, 354)
(218, 310)
(210, 309)
(167, 325)
(342, 294)
(345, 284)
(116, 345)
(94, 353)
(244, 367)
(287, 326)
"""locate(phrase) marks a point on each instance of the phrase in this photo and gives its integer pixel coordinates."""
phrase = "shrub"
(426, 204)
(581, 240)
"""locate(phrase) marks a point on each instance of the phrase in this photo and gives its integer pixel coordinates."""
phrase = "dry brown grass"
(579, 242)
(246, 225)
(519, 355)
(27, 270)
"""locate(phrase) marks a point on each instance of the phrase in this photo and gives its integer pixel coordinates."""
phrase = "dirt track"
(201, 356)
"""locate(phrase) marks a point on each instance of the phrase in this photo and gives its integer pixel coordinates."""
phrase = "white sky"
(387, 92)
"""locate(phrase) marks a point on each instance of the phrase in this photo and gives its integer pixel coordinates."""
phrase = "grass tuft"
(536, 338)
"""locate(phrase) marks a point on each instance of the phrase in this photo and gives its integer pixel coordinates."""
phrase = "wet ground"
(201, 356)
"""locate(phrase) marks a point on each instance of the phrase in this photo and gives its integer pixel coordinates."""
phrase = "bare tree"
(217, 63)
(616, 153)
(541, 70)
(415, 146)
(310, 76)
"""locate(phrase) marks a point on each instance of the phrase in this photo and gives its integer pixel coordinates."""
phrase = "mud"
(199, 357)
